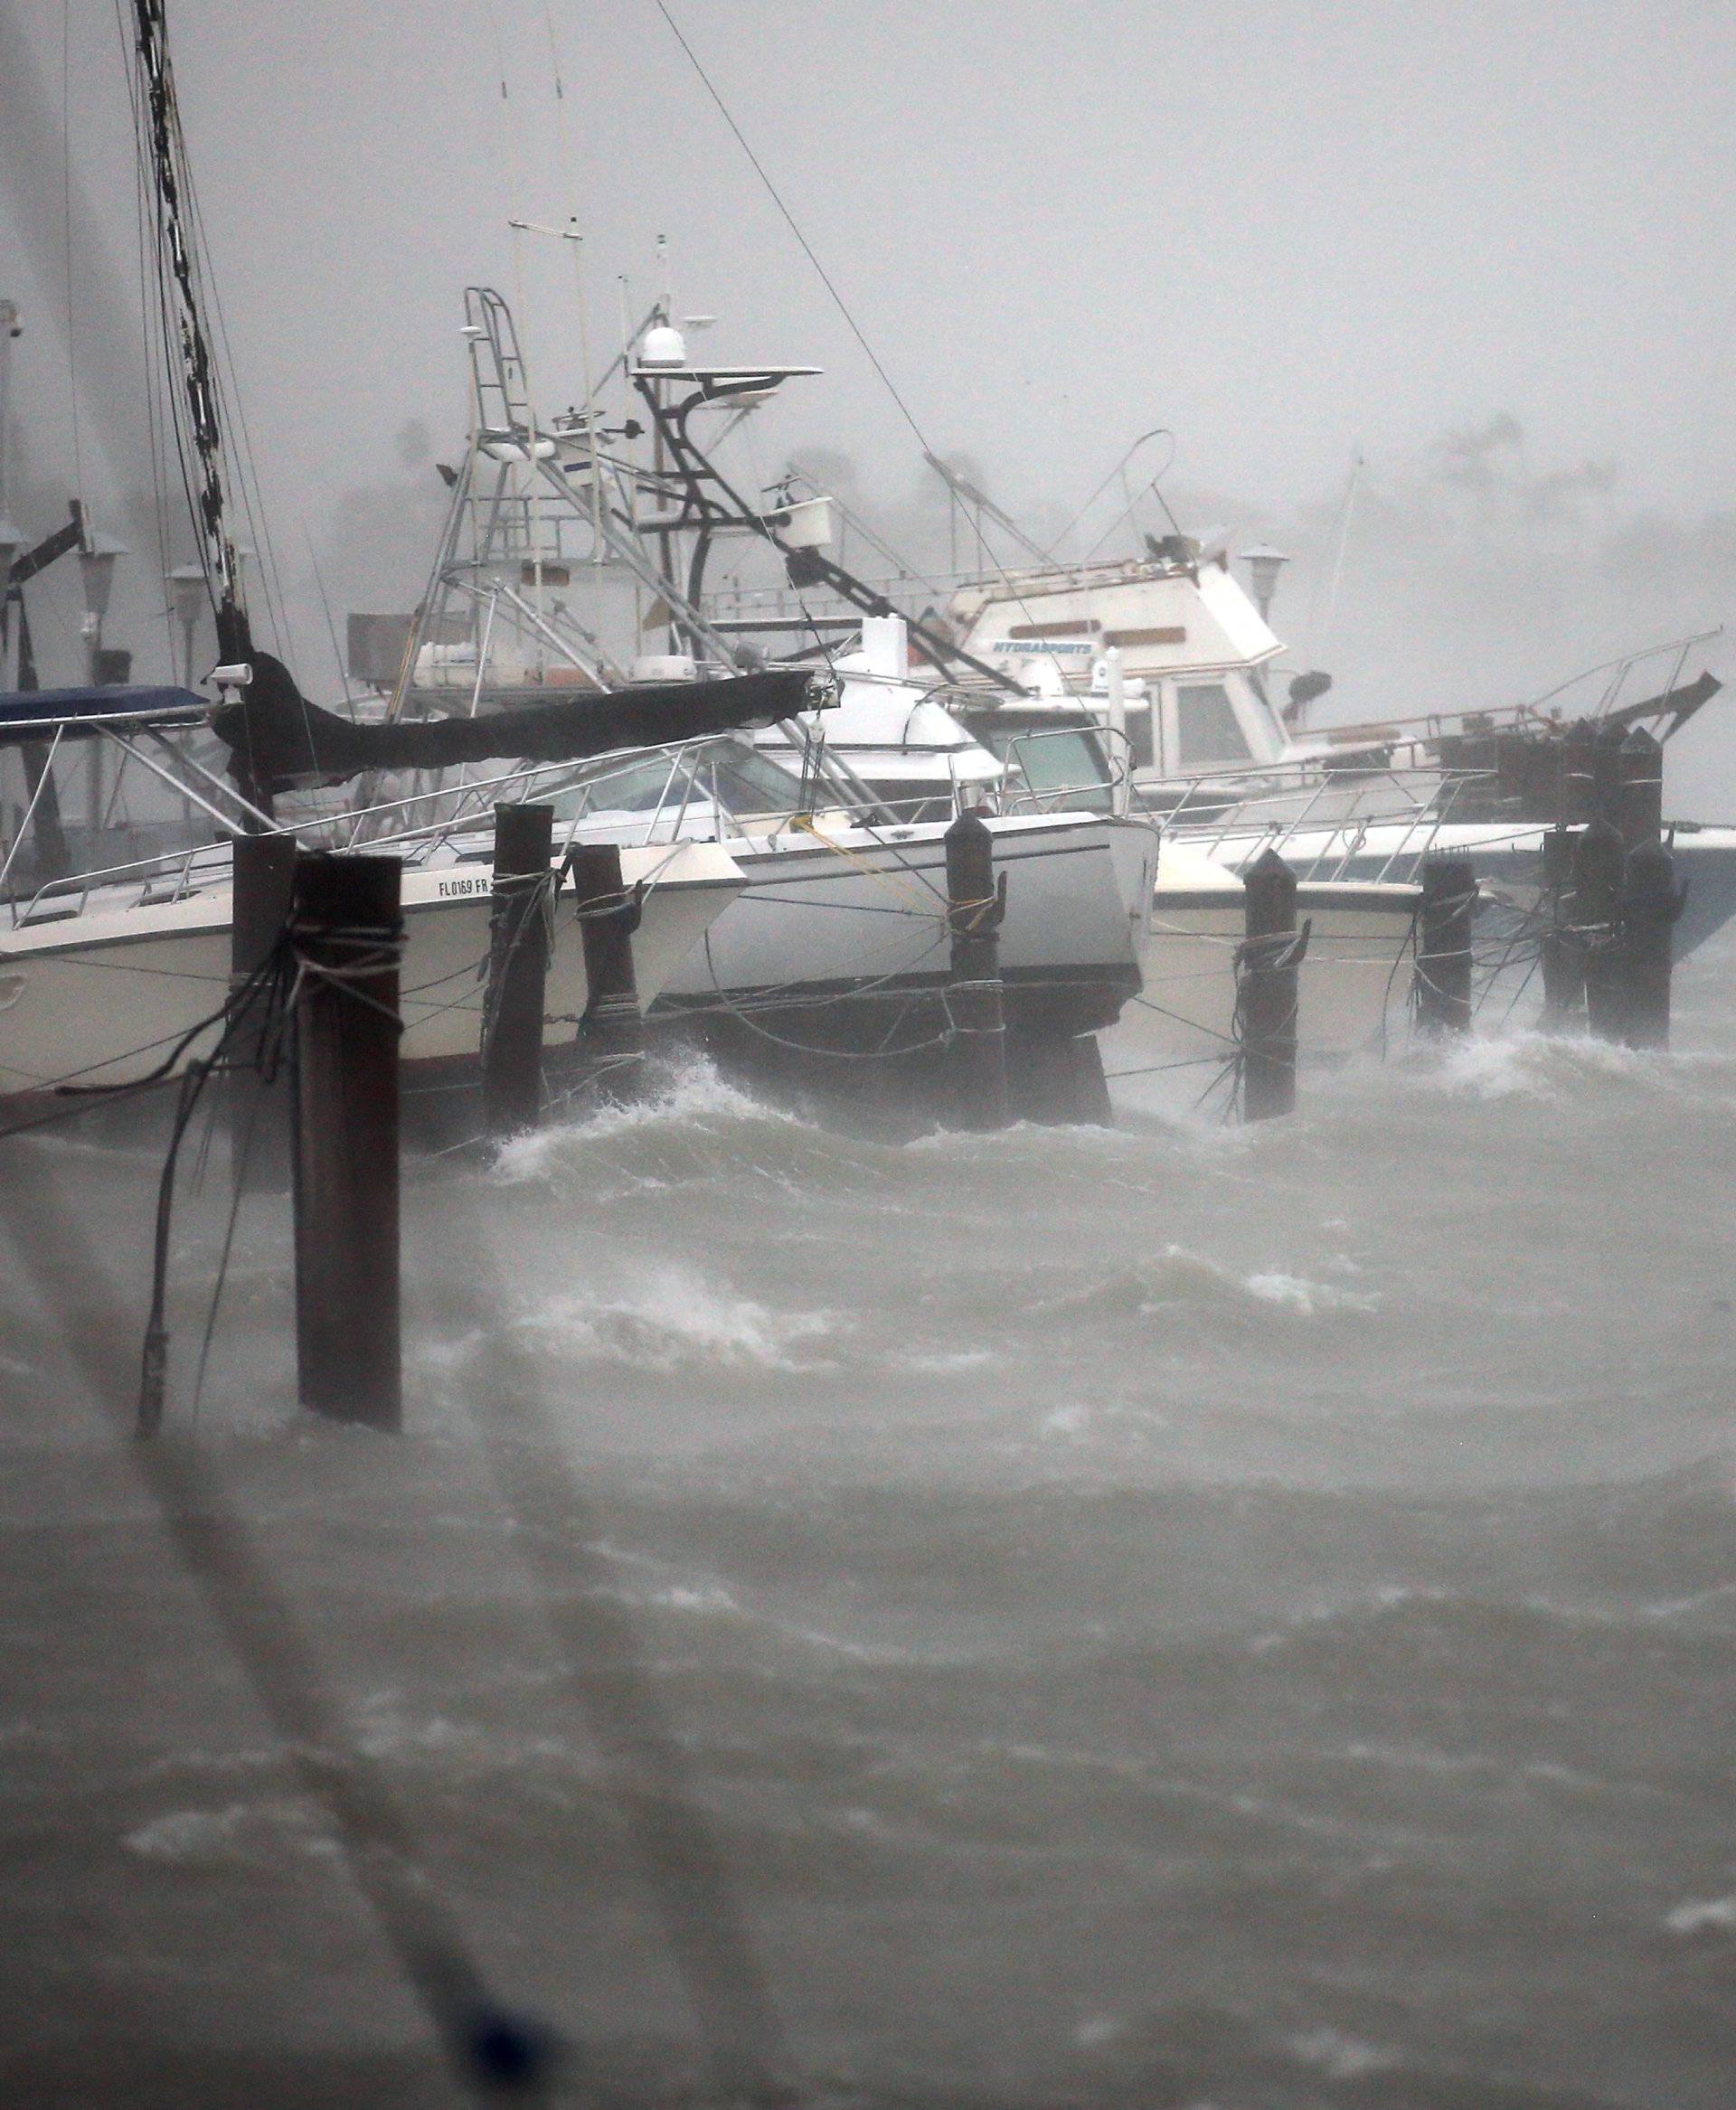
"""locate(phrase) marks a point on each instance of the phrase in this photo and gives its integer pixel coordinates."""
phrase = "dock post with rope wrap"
(1563, 963)
(1442, 986)
(347, 937)
(975, 906)
(518, 961)
(1599, 868)
(263, 880)
(1639, 797)
(611, 1033)
(1651, 902)
(1268, 963)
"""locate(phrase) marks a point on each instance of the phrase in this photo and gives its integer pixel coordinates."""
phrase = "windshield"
(1064, 767)
(727, 772)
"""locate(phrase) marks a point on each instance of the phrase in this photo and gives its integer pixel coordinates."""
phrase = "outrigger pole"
(703, 514)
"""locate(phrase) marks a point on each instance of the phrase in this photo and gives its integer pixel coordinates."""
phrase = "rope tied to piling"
(978, 917)
(378, 947)
(522, 915)
(1274, 955)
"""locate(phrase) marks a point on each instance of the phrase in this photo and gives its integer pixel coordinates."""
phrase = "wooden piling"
(518, 961)
(1267, 963)
(611, 1034)
(1638, 798)
(1442, 982)
(975, 999)
(1599, 863)
(1563, 961)
(1579, 774)
(264, 884)
(258, 1116)
(1650, 903)
(1606, 772)
(348, 940)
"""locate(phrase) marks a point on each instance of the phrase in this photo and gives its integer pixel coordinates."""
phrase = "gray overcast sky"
(1287, 231)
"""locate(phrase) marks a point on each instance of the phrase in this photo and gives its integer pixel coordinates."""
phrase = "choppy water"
(1159, 1617)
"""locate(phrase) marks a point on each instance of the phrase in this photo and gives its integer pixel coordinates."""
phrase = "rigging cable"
(789, 219)
(838, 301)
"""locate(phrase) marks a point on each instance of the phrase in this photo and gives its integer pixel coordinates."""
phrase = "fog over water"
(1164, 1615)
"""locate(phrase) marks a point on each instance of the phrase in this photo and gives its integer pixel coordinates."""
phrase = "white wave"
(1702, 1915)
(1180, 1275)
(680, 1597)
(212, 1839)
(1340, 2056)
(1296, 1293)
(676, 1318)
(694, 1095)
(1536, 1065)
(940, 1364)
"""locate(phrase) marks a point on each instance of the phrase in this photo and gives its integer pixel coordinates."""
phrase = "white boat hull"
(1354, 982)
(856, 923)
(1506, 859)
(103, 996)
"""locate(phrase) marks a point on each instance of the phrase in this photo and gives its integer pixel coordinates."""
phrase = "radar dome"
(663, 347)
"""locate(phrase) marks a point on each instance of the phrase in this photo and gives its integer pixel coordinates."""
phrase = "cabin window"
(1141, 741)
(1206, 728)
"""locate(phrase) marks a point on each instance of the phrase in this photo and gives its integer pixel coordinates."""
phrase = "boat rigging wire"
(789, 220)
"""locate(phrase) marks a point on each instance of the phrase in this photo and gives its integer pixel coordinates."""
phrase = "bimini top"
(34, 714)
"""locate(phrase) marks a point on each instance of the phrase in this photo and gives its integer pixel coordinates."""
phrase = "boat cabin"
(1193, 649)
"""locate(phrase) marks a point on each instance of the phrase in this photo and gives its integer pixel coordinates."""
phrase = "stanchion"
(1267, 977)
(611, 1033)
(518, 961)
(348, 940)
(1442, 983)
(975, 910)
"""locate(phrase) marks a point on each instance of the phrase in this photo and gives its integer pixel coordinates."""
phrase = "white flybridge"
(1192, 649)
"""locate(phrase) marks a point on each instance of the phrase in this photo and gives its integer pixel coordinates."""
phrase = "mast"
(205, 473)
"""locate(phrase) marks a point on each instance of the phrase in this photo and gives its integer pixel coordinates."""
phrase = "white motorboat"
(104, 975)
(103, 994)
(1353, 978)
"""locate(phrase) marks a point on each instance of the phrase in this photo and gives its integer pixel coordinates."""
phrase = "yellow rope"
(927, 902)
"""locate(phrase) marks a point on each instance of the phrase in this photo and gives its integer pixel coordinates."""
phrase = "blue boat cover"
(34, 714)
